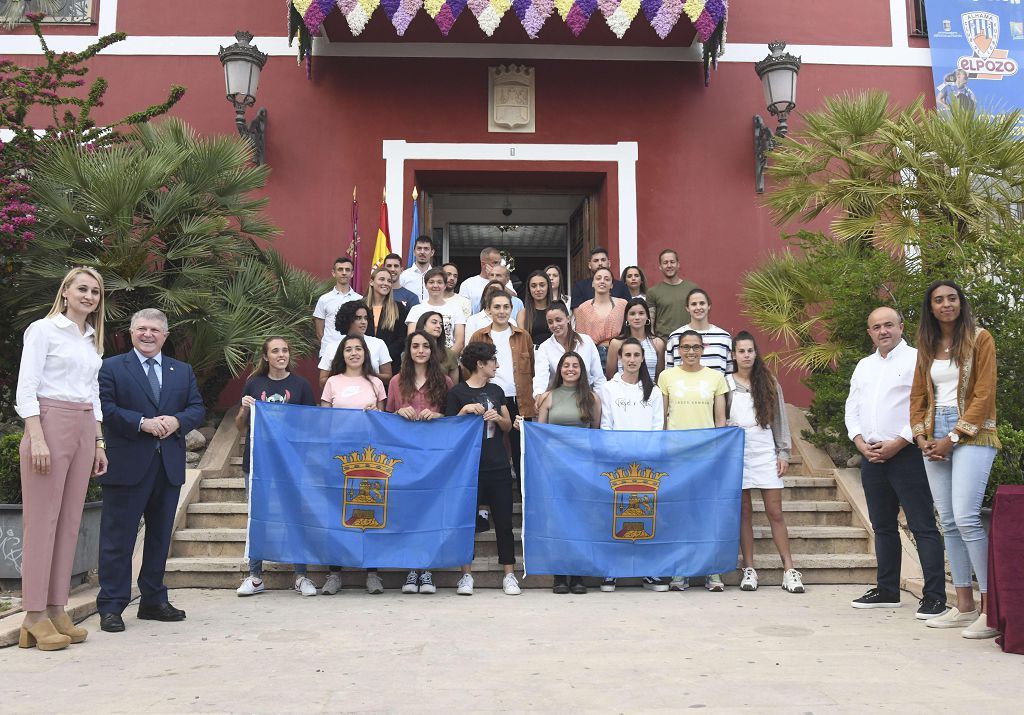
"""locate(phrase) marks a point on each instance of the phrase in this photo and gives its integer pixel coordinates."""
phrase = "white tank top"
(945, 376)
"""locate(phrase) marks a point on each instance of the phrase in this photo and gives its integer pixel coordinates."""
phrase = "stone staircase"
(828, 542)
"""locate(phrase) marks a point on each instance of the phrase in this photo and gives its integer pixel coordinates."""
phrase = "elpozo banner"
(977, 48)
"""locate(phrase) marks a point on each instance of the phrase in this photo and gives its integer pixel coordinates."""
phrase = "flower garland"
(444, 13)
(533, 14)
(709, 17)
(357, 13)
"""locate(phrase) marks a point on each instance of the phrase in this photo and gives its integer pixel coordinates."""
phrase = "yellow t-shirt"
(690, 396)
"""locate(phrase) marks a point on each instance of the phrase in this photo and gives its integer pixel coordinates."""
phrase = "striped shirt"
(717, 349)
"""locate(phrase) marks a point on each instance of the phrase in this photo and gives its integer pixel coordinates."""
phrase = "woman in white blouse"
(58, 397)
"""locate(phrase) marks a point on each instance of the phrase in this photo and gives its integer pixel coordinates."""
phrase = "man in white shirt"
(473, 287)
(412, 277)
(892, 470)
(451, 276)
(328, 304)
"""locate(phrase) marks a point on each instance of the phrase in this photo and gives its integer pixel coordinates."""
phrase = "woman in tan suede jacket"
(953, 418)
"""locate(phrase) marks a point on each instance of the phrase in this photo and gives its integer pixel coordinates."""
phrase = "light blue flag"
(628, 504)
(362, 489)
(414, 229)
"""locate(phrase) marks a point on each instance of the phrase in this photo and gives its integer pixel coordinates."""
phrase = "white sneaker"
(332, 585)
(427, 583)
(251, 586)
(608, 585)
(510, 585)
(979, 629)
(749, 582)
(304, 586)
(953, 618)
(713, 582)
(679, 583)
(373, 583)
(465, 585)
(411, 585)
(654, 583)
(793, 581)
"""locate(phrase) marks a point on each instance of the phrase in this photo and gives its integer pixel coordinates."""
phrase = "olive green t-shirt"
(669, 303)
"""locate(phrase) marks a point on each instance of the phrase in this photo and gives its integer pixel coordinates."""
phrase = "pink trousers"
(52, 503)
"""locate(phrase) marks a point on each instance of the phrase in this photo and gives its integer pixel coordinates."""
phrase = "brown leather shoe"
(43, 636)
(65, 625)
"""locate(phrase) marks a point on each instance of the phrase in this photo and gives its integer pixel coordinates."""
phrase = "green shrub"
(1009, 465)
(10, 472)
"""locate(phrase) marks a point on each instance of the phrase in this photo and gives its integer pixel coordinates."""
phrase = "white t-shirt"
(480, 320)
(451, 315)
(412, 280)
(463, 302)
(505, 377)
(945, 376)
(379, 354)
(326, 309)
(473, 288)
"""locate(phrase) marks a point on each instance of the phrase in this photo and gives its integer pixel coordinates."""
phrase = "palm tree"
(169, 219)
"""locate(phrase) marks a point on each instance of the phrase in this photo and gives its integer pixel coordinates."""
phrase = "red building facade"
(624, 126)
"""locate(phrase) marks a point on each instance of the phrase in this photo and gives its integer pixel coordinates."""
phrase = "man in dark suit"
(150, 402)
(583, 290)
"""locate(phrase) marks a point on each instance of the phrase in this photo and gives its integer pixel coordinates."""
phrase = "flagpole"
(414, 228)
(354, 247)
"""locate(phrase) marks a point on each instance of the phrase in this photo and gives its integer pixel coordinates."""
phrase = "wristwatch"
(101, 443)
(954, 437)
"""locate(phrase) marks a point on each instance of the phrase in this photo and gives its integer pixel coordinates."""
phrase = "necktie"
(154, 383)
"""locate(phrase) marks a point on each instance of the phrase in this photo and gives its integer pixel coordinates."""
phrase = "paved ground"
(633, 650)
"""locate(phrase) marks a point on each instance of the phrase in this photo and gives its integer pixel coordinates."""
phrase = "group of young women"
(547, 365)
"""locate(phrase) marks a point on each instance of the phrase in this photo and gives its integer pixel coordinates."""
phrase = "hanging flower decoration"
(444, 13)
(576, 13)
(357, 13)
(619, 14)
(533, 14)
(709, 17)
(488, 13)
(401, 12)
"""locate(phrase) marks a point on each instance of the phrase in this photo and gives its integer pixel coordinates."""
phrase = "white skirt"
(760, 466)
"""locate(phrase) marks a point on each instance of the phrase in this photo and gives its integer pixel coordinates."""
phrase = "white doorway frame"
(624, 154)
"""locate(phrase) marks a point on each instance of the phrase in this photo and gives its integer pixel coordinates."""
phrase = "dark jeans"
(498, 495)
(902, 482)
(514, 437)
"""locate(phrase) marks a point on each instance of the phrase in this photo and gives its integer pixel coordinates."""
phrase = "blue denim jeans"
(256, 565)
(958, 486)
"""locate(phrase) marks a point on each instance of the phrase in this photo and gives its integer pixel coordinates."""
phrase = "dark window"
(918, 21)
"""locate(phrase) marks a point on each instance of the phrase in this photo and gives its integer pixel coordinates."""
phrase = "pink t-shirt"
(418, 401)
(353, 392)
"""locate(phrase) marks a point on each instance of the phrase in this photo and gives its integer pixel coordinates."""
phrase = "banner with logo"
(977, 47)
(362, 489)
(622, 504)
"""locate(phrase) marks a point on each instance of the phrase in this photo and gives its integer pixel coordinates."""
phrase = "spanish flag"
(383, 245)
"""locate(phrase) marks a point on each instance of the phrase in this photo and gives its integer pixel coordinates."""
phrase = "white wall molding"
(624, 154)
(899, 54)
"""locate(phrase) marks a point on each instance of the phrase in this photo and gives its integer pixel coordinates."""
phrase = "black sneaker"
(930, 608)
(576, 585)
(561, 585)
(877, 599)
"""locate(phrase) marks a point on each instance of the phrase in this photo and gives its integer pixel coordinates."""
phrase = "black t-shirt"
(493, 455)
(293, 389)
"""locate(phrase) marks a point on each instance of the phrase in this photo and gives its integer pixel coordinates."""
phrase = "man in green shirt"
(667, 300)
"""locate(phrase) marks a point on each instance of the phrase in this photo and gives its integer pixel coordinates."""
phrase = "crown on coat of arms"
(635, 473)
(369, 460)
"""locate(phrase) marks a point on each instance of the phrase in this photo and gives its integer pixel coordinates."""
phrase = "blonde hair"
(389, 310)
(95, 318)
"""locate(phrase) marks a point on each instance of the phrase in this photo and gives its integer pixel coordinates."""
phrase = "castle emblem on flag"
(634, 502)
(366, 488)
